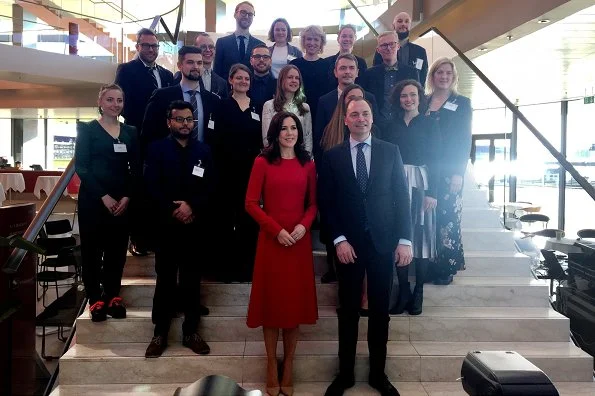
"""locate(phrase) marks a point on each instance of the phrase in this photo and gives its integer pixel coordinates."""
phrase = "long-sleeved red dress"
(283, 287)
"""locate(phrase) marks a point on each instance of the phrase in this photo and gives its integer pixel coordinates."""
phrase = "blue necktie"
(361, 173)
(242, 48)
(194, 104)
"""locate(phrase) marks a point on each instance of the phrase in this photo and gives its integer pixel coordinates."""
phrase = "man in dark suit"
(191, 90)
(409, 54)
(211, 80)
(179, 176)
(237, 47)
(364, 200)
(140, 77)
(346, 39)
(381, 79)
(346, 70)
(263, 84)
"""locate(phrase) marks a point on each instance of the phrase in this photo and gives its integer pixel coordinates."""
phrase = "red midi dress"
(283, 291)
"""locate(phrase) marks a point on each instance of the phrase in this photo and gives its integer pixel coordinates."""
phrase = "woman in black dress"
(312, 67)
(453, 113)
(419, 143)
(107, 161)
(236, 143)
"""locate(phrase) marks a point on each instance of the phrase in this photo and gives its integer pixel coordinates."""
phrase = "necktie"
(242, 47)
(150, 70)
(192, 94)
(361, 173)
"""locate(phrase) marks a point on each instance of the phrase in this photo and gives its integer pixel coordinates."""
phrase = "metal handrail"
(589, 189)
(16, 257)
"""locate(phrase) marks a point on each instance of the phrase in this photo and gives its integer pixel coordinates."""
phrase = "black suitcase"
(500, 373)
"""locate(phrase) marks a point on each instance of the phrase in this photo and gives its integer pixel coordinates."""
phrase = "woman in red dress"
(283, 292)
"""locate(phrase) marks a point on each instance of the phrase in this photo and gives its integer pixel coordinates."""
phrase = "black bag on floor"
(500, 373)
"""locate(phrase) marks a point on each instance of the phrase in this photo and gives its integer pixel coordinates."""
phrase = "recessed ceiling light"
(542, 21)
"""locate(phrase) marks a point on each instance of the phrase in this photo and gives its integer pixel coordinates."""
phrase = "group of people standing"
(241, 150)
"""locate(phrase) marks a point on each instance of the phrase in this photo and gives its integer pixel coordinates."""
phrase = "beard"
(192, 76)
(403, 35)
(179, 135)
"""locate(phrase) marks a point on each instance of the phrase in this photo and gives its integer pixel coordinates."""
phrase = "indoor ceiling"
(551, 64)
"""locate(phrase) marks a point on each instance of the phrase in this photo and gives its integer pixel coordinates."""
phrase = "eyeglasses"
(188, 120)
(146, 46)
(205, 47)
(247, 14)
(386, 46)
(259, 57)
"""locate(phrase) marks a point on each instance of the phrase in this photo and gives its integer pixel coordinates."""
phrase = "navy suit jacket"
(155, 122)
(228, 54)
(385, 205)
(168, 180)
(326, 107)
(218, 85)
(415, 52)
(138, 86)
(362, 66)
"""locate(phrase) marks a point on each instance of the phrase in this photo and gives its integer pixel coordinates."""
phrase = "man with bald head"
(409, 54)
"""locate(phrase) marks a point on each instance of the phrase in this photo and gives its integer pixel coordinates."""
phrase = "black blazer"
(138, 86)
(155, 122)
(326, 107)
(385, 205)
(219, 86)
(455, 134)
(415, 52)
(168, 178)
(333, 82)
(228, 54)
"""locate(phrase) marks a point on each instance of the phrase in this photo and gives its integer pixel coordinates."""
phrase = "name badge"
(255, 116)
(419, 63)
(198, 171)
(120, 148)
(451, 106)
(211, 124)
(290, 58)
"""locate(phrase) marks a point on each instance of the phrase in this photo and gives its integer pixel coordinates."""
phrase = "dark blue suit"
(169, 177)
(228, 54)
(373, 223)
(219, 86)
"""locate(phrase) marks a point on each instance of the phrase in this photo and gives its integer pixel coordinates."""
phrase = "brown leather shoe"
(196, 343)
(156, 347)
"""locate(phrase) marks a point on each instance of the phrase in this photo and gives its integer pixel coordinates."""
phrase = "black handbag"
(503, 373)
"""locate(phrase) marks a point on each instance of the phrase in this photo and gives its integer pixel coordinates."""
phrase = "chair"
(58, 227)
(532, 218)
(586, 233)
(73, 188)
(553, 269)
(58, 253)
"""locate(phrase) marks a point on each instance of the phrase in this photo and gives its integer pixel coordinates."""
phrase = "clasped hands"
(346, 254)
(287, 239)
(183, 212)
(116, 208)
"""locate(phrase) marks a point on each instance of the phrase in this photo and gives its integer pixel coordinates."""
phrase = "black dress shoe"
(203, 311)
(196, 343)
(383, 386)
(329, 277)
(444, 281)
(364, 312)
(156, 347)
(137, 252)
(339, 385)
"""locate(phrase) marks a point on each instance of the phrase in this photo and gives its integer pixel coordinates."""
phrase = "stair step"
(315, 361)
(487, 239)
(307, 389)
(435, 323)
(465, 291)
(481, 218)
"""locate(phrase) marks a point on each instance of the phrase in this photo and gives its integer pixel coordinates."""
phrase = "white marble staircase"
(493, 305)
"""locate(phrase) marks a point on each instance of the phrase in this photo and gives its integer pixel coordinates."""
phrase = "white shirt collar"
(353, 142)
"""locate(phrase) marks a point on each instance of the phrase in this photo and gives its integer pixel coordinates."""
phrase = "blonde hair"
(387, 33)
(314, 30)
(437, 63)
(104, 89)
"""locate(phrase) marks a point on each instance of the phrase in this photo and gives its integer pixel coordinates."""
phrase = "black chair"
(552, 269)
(58, 227)
(535, 218)
(586, 233)
(58, 254)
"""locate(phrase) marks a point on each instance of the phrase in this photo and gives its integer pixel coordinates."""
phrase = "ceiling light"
(543, 21)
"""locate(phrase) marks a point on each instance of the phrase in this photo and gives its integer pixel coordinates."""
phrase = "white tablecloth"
(2, 195)
(14, 181)
(47, 184)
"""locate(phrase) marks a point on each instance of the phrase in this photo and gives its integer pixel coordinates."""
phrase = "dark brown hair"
(272, 153)
(298, 98)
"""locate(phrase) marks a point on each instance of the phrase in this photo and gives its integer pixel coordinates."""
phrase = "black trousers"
(379, 268)
(178, 249)
(104, 242)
